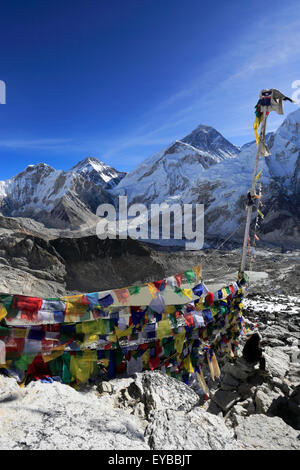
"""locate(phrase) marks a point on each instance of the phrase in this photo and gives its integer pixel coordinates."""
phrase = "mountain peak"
(208, 139)
(99, 172)
(38, 166)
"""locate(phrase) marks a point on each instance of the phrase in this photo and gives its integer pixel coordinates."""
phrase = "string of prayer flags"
(256, 125)
(202, 383)
(134, 290)
(153, 290)
(178, 278)
(260, 214)
(210, 364)
(169, 331)
(215, 365)
(3, 312)
(258, 175)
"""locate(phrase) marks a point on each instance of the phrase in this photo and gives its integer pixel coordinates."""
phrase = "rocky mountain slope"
(167, 173)
(98, 172)
(201, 168)
(56, 198)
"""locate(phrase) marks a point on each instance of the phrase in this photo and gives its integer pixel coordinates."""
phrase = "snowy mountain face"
(170, 171)
(61, 199)
(98, 172)
(219, 177)
(201, 168)
(210, 141)
(223, 189)
(285, 162)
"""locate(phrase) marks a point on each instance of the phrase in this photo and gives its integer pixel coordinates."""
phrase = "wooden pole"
(252, 191)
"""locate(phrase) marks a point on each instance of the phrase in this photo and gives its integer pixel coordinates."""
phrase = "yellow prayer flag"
(145, 358)
(170, 309)
(256, 127)
(224, 293)
(202, 382)
(187, 363)
(258, 175)
(54, 355)
(163, 329)
(3, 311)
(152, 289)
(188, 293)
(261, 214)
(197, 270)
(122, 333)
(81, 368)
(20, 332)
(112, 339)
(94, 327)
(179, 341)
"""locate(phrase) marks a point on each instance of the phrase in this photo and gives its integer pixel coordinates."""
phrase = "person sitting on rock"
(253, 352)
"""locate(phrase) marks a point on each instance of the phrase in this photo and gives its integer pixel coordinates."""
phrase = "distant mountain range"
(60, 199)
(202, 167)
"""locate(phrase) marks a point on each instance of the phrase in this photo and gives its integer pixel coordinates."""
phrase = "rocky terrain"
(48, 248)
(246, 409)
(37, 261)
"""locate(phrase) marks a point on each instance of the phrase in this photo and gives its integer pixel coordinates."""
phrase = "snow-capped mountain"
(62, 199)
(223, 188)
(185, 174)
(203, 167)
(284, 164)
(98, 172)
(170, 171)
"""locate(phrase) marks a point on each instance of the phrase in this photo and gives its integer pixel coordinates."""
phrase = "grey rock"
(55, 416)
(240, 370)
(269, 433)
(275, 332)
(9, 389)
(264, 401)
(277, 362)
(194, 430)
(225, 399)
(105, 387)
(230, 381)
(245, 390)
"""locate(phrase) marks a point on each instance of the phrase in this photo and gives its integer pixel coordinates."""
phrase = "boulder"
(9, 389)
(57, 417)
(277, 362)
(225, 399)
(195, 430)
(269, 433)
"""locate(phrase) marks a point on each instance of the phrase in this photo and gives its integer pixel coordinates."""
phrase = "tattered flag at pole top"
(269, 100)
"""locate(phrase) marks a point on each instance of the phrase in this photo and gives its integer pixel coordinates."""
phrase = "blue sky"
(121, 79)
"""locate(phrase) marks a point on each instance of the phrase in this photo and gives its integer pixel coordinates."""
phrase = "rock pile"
(247, 408)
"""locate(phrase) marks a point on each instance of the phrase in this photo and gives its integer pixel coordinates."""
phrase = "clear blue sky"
(120, 79)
